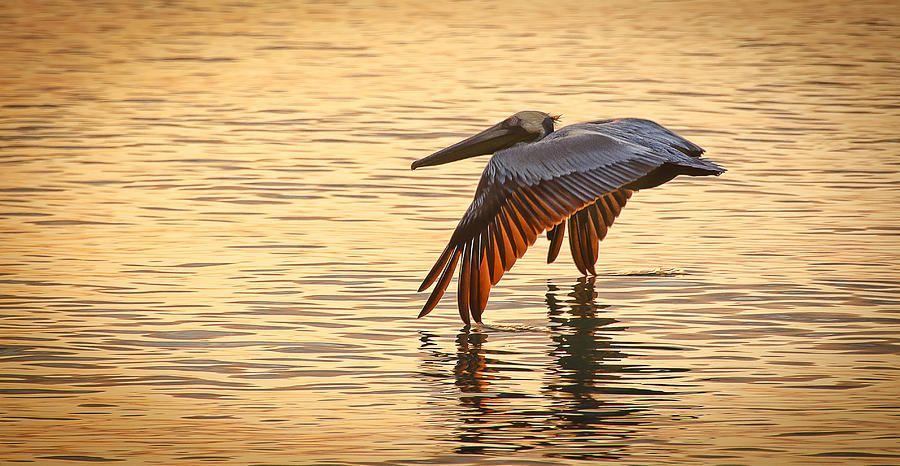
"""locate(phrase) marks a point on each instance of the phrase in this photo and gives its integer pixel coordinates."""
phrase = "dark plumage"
(539, 180)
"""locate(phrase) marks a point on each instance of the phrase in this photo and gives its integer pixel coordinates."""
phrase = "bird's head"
(524, 126)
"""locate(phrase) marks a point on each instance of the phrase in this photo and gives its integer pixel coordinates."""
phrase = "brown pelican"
(544, 179)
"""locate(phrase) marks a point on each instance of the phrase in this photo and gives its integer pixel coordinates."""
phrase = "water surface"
(211, 239)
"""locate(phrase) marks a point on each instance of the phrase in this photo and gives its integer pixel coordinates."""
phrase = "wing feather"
(575, 245)
(474, 276)
(556, 238)
(462, 294)
(438, 291)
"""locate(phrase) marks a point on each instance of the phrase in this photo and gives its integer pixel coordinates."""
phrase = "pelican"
(541, 179)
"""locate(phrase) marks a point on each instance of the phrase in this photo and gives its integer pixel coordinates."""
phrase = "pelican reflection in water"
(543, 179)
(587, 405)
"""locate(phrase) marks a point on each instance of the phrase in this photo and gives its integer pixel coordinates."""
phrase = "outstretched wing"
(587, 228)
(529, 188)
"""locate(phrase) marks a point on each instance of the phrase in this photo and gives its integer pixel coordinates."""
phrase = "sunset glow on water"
(211, 238)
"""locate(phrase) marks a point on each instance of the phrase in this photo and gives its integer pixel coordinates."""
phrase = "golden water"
(211, 239)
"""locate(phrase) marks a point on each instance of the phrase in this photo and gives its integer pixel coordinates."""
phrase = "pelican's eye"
(513, 121)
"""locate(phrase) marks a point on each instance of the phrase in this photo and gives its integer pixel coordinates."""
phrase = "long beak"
(486, 142)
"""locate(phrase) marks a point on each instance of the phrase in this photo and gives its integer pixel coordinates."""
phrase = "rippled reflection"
(590, 402)
(211, 239)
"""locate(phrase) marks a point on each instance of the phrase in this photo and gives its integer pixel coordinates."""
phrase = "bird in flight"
(542, 179)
